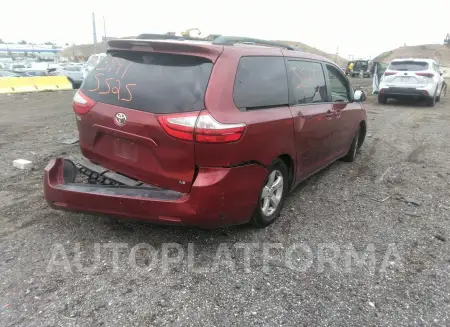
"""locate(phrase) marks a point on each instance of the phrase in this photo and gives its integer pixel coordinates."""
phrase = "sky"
(358, 28)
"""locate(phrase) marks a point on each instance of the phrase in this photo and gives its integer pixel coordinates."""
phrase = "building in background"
(44, 52)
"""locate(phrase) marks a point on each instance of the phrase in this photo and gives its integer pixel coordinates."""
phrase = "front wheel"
(272, 195)
(351, 154)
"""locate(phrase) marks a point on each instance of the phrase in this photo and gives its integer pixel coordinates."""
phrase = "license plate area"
(125, 149)
(407, 80)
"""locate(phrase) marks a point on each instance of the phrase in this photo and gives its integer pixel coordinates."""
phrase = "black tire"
(431, 101)
(438, 97)
(259, 218)
(74, 86)
(351, 154)
(382, 99)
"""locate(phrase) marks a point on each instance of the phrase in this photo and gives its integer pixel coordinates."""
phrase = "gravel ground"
(392, 204)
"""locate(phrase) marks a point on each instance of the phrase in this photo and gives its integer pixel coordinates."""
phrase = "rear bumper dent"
(219, 196)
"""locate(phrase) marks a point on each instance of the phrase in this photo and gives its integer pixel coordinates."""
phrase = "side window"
(307, 82)
(260, 82)
(338, 85)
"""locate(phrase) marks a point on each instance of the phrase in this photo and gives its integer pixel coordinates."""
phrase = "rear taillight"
(81, 103)
(201, 128)
(430, 75)
(180, 126)
(389, 73)
(209, 130)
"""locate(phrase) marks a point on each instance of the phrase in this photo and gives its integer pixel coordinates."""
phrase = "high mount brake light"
(201, 127)
(82, 103)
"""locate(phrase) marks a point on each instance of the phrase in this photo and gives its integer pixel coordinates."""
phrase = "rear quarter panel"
(269, 132)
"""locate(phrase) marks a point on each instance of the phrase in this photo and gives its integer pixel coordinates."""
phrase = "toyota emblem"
(120, 118)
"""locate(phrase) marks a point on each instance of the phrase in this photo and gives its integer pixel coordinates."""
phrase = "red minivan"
(204, 134)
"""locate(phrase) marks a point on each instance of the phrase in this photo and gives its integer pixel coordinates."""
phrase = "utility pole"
(104, 27)
(337, 52)
(94, 33)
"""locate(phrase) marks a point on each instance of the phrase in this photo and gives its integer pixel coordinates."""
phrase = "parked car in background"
(17, 67)
(412, 78)
(32, 73)
(73, 73)
(7, 73)
(205, 134)
(91, 63)
(360, 68)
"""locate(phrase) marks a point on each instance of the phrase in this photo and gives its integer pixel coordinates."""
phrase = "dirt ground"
(394, 199)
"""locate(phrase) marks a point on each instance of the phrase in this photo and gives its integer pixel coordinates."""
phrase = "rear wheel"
(438, 97)
(272, 195)
(431, 101)
(382, 99)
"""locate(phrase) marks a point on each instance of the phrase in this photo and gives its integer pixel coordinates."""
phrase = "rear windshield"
(152, 82)
(413, 66)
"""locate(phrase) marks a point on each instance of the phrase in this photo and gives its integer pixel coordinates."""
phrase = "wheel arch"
(289, 162)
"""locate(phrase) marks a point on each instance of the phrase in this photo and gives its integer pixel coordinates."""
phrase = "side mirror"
(359, 96)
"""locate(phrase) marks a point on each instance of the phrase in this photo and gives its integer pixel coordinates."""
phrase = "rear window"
(260, 82)
(413, 66)
(152, 82)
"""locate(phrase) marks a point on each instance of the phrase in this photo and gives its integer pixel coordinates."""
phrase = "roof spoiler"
(150, 36)
(231, 40)
(167, 46)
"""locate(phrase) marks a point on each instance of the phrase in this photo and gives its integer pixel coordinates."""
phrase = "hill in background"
(86, 50)
(306, 48)
(440, 53)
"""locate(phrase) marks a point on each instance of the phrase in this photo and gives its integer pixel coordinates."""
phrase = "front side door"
(312, 114)
(346, 112)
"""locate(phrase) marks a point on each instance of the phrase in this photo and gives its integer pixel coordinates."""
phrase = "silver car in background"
(72, 72)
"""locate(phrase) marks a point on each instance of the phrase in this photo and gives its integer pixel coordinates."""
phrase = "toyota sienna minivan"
(204, 134)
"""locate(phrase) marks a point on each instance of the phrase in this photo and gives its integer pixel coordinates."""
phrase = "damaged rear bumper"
(219, 196)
